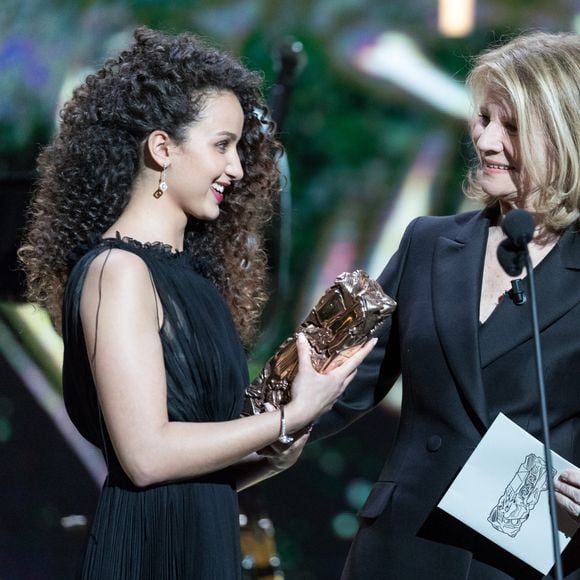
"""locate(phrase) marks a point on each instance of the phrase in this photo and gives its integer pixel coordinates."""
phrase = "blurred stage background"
(369, 98)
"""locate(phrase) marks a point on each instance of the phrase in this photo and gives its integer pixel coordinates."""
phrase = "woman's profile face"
(206, 163)
(495, 136)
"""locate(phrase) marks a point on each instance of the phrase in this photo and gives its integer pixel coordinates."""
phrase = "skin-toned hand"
(270, 460)
(567, 488)
(342, 357)
(314, 393)
(281, 456)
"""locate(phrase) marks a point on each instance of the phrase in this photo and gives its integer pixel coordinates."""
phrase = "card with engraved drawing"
(501, 492)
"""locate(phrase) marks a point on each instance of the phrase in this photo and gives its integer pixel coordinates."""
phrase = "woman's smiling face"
(495, 136)
(206, 164)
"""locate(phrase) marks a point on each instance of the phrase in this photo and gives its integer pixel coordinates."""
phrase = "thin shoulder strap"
(99, 306)
(155, 297)
(94, 354)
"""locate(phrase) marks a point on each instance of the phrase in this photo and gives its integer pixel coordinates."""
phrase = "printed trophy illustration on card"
(520, 496)
(501, 492)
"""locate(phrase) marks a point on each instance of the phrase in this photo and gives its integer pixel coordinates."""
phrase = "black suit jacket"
(457, 376)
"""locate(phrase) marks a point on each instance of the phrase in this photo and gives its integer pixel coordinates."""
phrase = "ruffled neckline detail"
(160, 248)
(162, 251)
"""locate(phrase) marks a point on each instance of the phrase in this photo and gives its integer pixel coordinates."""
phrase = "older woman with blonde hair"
(462, 345)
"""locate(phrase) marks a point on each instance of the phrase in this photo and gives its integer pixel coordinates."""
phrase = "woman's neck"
(150, 221)
(542, 235)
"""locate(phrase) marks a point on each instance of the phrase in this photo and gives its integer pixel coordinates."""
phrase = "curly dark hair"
(86, 173)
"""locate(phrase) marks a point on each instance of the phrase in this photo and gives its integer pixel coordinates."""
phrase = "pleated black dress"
(176, 530)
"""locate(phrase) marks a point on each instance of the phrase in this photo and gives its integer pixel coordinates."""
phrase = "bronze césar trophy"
(346, 316)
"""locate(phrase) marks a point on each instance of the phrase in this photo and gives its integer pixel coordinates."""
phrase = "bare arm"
(129, 375)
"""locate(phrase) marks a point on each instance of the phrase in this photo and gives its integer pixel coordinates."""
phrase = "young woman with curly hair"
(146, 227)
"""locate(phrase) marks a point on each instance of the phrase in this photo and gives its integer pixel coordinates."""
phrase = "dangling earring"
(162, 183)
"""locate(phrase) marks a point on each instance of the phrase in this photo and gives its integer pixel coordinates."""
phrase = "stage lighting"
(456, 18)
(396, 58)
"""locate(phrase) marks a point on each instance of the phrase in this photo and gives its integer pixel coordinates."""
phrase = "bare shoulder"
(120, 279)
(117, 263)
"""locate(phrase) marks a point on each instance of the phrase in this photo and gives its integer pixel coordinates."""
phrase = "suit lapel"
(456, 276)
(557, 279)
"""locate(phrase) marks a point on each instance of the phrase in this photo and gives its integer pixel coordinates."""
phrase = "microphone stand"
(544, 416)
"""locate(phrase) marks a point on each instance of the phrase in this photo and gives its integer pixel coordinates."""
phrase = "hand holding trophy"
(345, 318)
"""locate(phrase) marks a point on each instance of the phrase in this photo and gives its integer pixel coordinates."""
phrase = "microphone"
(517, 293)
(513, 254)
(518, 226)
(511, 259)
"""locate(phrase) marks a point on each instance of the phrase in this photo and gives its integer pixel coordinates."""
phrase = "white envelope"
(501, 492)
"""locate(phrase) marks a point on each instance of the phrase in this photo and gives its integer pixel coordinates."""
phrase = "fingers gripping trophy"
(347, 315)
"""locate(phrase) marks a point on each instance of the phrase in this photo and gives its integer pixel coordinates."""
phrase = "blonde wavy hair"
(539, 75)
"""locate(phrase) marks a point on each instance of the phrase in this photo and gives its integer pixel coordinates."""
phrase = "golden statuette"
(346, 316)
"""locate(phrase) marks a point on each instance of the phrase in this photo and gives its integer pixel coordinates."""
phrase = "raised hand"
(314, 393)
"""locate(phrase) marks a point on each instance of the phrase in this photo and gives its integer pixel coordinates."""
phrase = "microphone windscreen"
(510, 258)
(518, 226)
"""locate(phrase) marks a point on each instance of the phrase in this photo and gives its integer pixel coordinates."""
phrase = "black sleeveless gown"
(175, 530)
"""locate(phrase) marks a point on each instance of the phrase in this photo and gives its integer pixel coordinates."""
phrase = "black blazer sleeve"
(379, 371)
